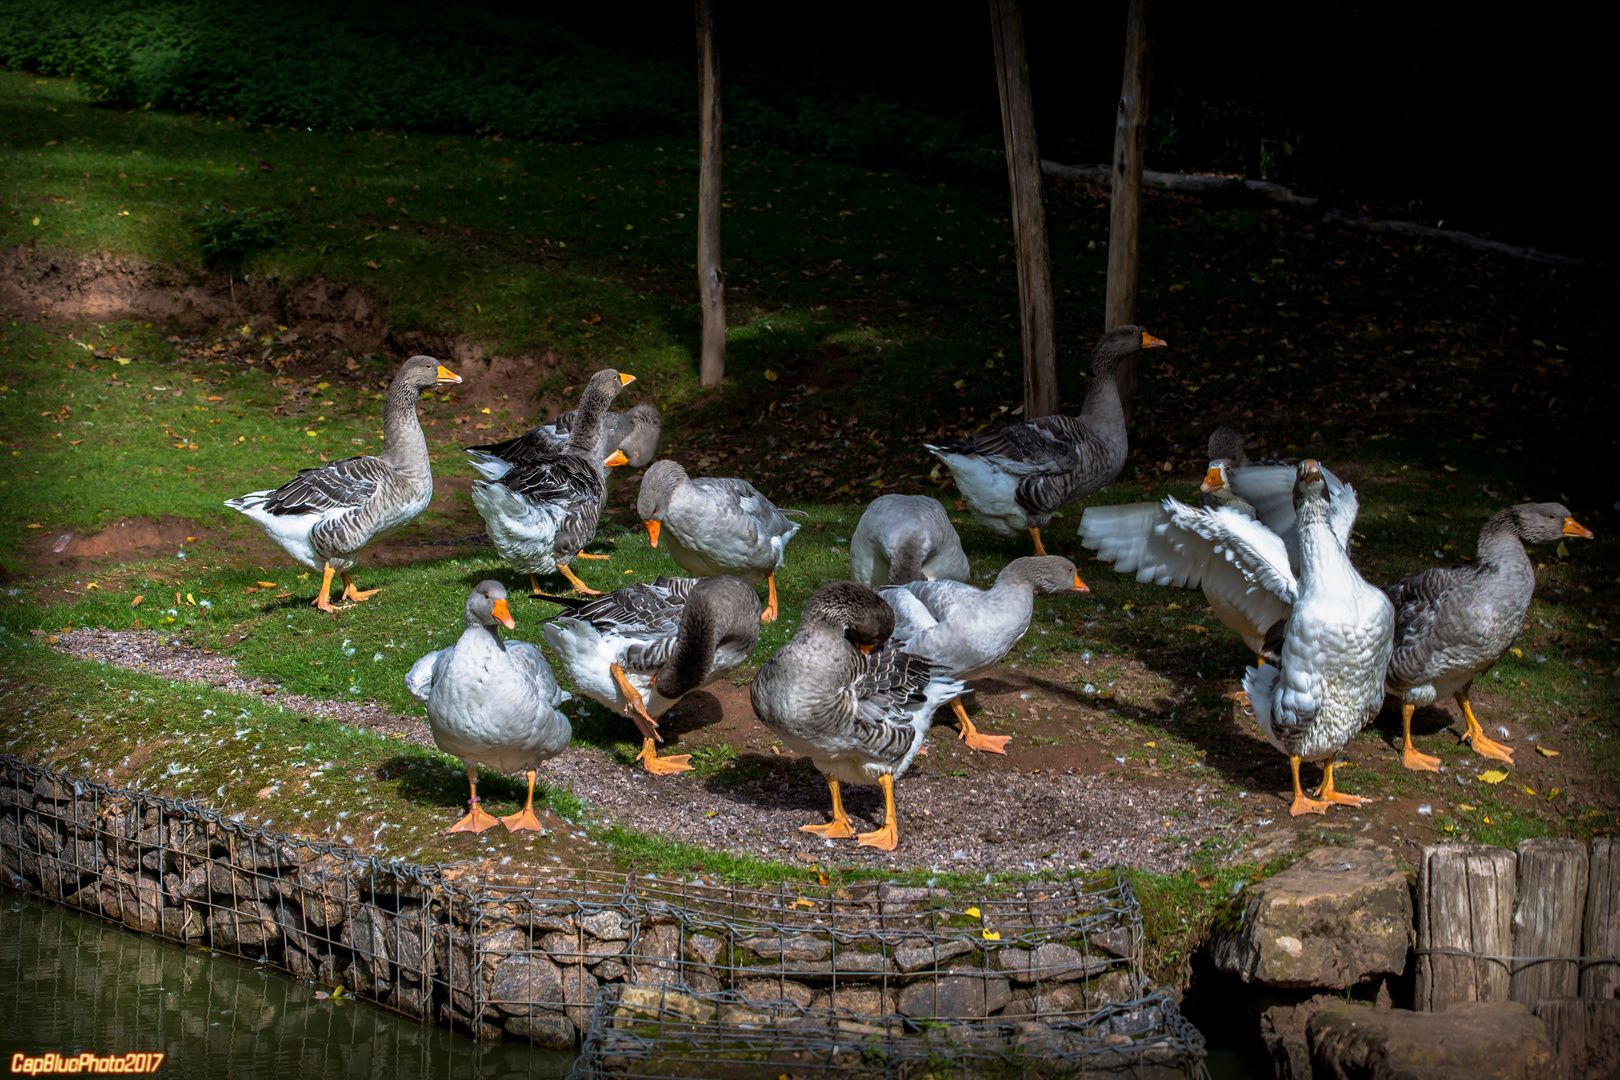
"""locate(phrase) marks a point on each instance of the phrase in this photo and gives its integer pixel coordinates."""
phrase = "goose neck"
(404, 445)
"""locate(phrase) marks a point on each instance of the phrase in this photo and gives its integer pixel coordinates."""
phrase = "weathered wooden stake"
(1124, 225)
(1585, 1036)
(711, 282)
(1464, 901)
(1548, 917)
(1602, 933)
(1028, 210)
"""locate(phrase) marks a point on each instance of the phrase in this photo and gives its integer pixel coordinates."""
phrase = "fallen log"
(1197, 184)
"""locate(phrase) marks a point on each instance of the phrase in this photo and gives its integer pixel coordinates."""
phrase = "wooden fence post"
(1125, 218)
(711, 282)
(1602, 933)
(1465, 901)
(1028, 210)
(1548, 917)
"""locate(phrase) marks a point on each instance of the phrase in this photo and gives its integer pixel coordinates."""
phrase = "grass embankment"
(870, 311)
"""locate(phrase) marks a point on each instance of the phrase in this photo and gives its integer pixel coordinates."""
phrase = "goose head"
(423, 373)
(1045, 574)
(487, 604)
(865, 618)
(652, 502)
(1545, 523)
(1120, 342)
(1310, 486)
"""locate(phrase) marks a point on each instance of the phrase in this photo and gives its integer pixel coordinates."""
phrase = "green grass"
(869, 310)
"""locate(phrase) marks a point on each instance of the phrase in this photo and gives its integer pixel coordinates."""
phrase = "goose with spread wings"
(1171, 543)
(640, 649)
(1014, 478)
(324, 517)
(854, 701)
(1333, 649)
(1453, 623)
(540, 515)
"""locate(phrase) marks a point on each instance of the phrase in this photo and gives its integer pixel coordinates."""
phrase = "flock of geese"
(873, 658)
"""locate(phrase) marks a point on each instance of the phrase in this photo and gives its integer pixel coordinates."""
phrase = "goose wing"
(532, 446)
(1428, 618)
(337, 485)
(531, 663)
(419, 680)
(1021, 449)
(1270, 490)
(1258, 553)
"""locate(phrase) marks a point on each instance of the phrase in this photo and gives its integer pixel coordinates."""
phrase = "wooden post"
(1125, 218)
(1028, 210)
(1548, 917)
(711, 282)
(1465, 901)
(1602, 933)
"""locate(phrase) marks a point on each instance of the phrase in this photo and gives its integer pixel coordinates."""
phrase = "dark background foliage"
(1432, 112)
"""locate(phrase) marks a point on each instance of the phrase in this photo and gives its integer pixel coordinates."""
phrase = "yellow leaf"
(972, 913)
(770, 376)
(121, 360)
(1178, 287)
(1518, 654)
(992, 935)
(267, 585)
(485, 411)
(1488, 820)
(1554, 793)
(1495, 776)
(92, 585)
(322, 385)
(311, 434)
(802, 902)
(959, 383)
(1527, 790)
(35, 525)
(1150, 744)
(190, 601)
(1464, 807)
(712, 813)
(1544, 752)
(303, 577)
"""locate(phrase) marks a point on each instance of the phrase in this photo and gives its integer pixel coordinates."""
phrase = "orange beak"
(1212, 481)
(1310, 470)
(1080, 586)
(867, 649)
(625, 378)
(446, 375)
(652, 531)
(1575, 528)
(503, 614)
(618, 458)
(1151, 342)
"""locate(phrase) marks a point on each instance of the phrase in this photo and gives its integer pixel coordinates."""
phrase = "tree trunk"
(711, 282)
(1124, 226)
(1028, 210)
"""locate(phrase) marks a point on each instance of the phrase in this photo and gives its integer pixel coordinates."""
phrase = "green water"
(70, 983)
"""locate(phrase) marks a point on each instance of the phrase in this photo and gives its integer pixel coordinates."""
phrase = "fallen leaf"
(190, 600)
(137, 601)
(1554, 793)
(1544, 752)
(711, 813)
(802, 902)
(1488, 820)
(1518, 654)
(1495, 776)
(35, 525)
(991, 935)
(121, 359)
(1527, 790)
(1464, 807)
(92, 585)
(267, 585)
(822, 879)
(1205, 882)
(770, 376)
(972, 913)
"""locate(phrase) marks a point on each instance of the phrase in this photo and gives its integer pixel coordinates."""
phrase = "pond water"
(71, 983)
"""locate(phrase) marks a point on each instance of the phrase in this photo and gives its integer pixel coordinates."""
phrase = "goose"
(1333, 649)
(1453, 623)
(857, 710)
(968, 631)
(641, 649)
(324, 517)
(716, 526)
(635, 432)
(1171, 543)
(492, 702)
(1015, 478)
(903, 538)
(540, 515)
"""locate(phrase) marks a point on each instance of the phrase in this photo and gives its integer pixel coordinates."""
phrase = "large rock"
(525, 985)
(1283, 1030)
(1049, 963)
(1337, 917)
(1471, 1040)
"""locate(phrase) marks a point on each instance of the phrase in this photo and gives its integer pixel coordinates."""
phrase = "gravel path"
(1035, 821)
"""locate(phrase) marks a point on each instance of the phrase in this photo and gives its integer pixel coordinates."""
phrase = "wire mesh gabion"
(661, 1033)
(526, 954)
